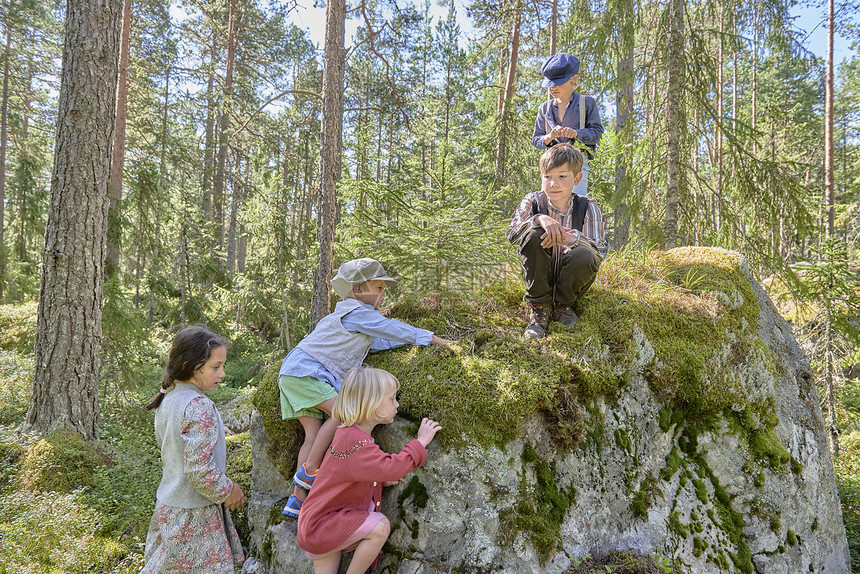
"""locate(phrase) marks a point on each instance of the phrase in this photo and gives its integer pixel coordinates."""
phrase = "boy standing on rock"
(561, 241)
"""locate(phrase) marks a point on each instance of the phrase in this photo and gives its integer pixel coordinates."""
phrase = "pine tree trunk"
(674, 117)
(718, 128)
(623, 112)
(114, 234)
(4, 132)
(828, 379)
(755, 78)
(21, 245)
(503, 58)
(161, 191)
(829, 203)
(828, 123)
(553, 27)
(68, 331)
(209, 140)
(242, 249)
(220, 182)
(183, 274)
(234, 219)
(330, 147)
(503, 136)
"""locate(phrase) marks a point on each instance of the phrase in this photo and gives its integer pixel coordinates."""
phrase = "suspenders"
(547, 123)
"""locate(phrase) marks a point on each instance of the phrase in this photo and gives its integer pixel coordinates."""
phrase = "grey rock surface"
(236, 414)
(720, 510)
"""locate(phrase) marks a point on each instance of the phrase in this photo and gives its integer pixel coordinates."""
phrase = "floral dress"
(196, 540)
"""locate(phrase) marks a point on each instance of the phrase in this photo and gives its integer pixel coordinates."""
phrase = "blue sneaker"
(304, 480)
(294, 505)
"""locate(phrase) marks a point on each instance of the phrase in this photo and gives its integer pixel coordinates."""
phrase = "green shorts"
(301, 395)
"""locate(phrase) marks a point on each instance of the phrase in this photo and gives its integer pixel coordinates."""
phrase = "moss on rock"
(285, 437)
(685, 320)
(239, 467)
(688, 304)
(540, 508)
(622, 562)
(61, 462)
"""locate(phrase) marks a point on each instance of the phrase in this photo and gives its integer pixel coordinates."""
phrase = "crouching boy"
(311, 375)
(561, 240)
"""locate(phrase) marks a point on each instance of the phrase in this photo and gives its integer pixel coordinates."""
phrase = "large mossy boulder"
(676, 420)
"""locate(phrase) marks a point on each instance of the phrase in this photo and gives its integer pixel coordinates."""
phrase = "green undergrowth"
(67, 505)
(18, 327)
(847, 470)
(71, 506)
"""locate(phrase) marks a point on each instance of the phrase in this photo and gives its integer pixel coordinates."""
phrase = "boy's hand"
(555, 233)
(392, 482)
(440, 341)
(427, 431)
(563, 132)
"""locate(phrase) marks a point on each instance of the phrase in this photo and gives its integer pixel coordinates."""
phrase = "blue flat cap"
(558, 69)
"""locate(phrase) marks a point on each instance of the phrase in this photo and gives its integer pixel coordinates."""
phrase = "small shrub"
(46, 532)
(16, 380)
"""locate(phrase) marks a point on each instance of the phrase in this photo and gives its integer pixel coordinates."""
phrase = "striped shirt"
(592, 234)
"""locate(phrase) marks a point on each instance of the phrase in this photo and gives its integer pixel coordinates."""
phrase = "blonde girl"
(342, 511)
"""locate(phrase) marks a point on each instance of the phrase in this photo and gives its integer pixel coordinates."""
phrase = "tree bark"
(828, 123)
(161, 190)
(502, 136)
(234, 218)
(68, 330)
(829, 209)
(4, 132)
(718, 127)
(755, 78)
(553, 28)
(209, 140)
(330, 148)
(220, 182)
(674, 117)
(114, 233)
(623, 112)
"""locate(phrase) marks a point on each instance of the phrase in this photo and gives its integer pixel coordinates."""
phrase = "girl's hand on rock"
(427, 431)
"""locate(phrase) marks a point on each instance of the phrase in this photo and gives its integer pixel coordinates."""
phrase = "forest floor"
(94, 518)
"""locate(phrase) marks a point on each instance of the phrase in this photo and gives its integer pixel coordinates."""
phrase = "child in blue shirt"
(311, 375)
